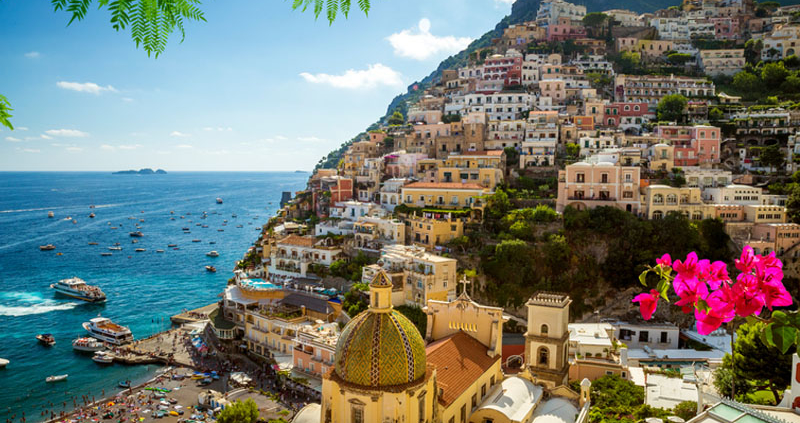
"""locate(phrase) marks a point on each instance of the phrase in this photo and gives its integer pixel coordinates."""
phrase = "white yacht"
(105, 330)
(78, 288)
(212, 254)
(102, 357)
(87, 344)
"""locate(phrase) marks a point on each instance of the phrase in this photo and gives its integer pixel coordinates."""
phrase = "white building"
(733, 194)
(551, 10)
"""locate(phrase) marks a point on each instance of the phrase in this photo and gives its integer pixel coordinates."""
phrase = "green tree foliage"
(793, 203)
(773, 74)
(451, 117)
(416, 315)
(595, 19)
(685, 410)
(671, 108)
(752, 51)
(679, 59)
(628, 62)
(573, 150)
(498, 204)
(512, 156)
(616, 400)
(350, 270)
(151, 22)
(330, 7)
(791, 85)
(772, 156)
(747, 83)
(396, 119)
(754, 366)
(354, 302)
(5, 113)
(715, 114)
(239, 412)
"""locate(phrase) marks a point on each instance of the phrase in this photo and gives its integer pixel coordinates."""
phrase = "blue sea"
(144, 288)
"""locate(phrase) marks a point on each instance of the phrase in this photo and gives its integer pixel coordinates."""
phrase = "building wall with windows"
(588, 185)
(448, 195)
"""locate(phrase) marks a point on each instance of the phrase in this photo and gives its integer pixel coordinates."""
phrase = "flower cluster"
(706, 289)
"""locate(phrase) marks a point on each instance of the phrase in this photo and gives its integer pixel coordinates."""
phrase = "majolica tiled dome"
(380, 349)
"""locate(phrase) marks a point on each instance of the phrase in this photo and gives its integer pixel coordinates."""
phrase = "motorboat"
(58, 378)
(212, 242)
(51, 214)
(220, 230)
(92, 243)
(87, 344)
(186, 229)
(74, 221)
(212, 254)
(195, 240)
(137, 234)
(124, 384)
(47, 247)
(78, 288)
(102, 357)
(172, 245)
(105, 330)
(219, 200)
(115, 248)
(211, 269)
(134, 241)
(46, 339)
(106, 254)
(91, 215)
(159, 251)
(140, 250)
(3, 363)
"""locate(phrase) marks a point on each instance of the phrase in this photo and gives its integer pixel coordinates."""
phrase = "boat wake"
(26, 303)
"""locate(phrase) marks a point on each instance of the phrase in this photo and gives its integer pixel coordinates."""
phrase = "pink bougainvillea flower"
(648, 301)
(690, 291)
(775, 295)
(747, 260)
(722, 303)
(747, 298)
(707, 321)
(716, 274)
(664, 261)
(688, 266)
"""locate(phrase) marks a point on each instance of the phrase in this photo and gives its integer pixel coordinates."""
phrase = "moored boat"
(212, 254)
(92, 243)
(172, 245)
(159, 251)
(3, 363)
(136, 234)
(106, 254)
(87, 344)
(140, 250)
(46, 339)
(195, 240)
(47, 247)
(78, 288)
(211, 269)
(57, 378)
(219, 200)
(105, 330)
(125, 384)
(102, 357)
(115, 248)
(91, 215)
(51, 214)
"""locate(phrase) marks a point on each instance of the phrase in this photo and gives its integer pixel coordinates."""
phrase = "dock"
(193, 316)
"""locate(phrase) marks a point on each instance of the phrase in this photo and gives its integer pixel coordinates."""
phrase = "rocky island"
(145, 171)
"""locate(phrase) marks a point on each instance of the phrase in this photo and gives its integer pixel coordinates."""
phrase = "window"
(544, 356)
(483, 391)
(663, 337)
(643, 336)
(422, 409)
(474, 401)
(604, 178)
(544, 330)
(357, 413)
(463, 415)
(579, 177)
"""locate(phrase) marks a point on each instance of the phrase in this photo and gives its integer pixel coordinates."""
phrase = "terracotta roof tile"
(300, 241)
(443, 185)
(459, 360)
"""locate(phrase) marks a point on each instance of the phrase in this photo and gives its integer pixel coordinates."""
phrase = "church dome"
(380, 349)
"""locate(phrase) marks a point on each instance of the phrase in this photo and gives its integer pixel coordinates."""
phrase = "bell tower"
(547, 338)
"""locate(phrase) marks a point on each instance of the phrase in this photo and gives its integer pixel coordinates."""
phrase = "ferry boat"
(51, 214)
(212, 254)
(211, 269)
(136, 234)
(77, 288)
(58, 378)
(47, 247)
(219, 200)
(46, 339)
(104, 329)
(87, 344)
(102, 357)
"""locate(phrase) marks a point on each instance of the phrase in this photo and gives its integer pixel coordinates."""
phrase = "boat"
(104, 329)
(211, 269)
(205, 226)
(57, 378)
(92, 243)
(87, 344)
(220, 230)
(159, 251)
(172, 245)
(115, 248)
(3, 363)
(212, 242)
(198, 224)
(195, 240)
(212, 254)
(91, 206)
(78, 288)
(185, 229)
(136, 234)
(59, 254)
(91, 215)
(51, 214)
(47, 247)
(239, 226)
(125, 384)
(74, 221)
(233, 215)
(102, 357)
(46, 339)
(140, 250)
(219, 200)
(105, 254)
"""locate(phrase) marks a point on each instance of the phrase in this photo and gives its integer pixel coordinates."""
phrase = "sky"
(258, 87)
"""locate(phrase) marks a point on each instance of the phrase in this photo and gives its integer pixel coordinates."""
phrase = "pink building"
(555, 89)
(586, 185)
(506, 68)
(725, 28)
(626, 113)
(564, 30)
(693, 145)
(402, 164)
(314, 350)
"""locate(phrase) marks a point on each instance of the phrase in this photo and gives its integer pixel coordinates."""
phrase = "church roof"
(460, 360)
(379, 349)
(515, 397)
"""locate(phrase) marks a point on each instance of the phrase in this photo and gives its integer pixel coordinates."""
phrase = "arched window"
(544, 329)
(658, 214)
(658, 199)
(672, 199)
(543, 356)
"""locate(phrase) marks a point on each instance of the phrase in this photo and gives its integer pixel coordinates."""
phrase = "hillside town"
(389, 285)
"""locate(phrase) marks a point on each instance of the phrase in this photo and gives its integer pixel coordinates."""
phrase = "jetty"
(193, 316)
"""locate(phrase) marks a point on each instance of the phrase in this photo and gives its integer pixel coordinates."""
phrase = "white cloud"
(310, 139)
(85, 87)
(32, 55)
(127, 99)
(218, 129)
(72, 133)
(280, 138)
(12, 139)
(505, 2)
(107, 147)
(178, 134)
(74, 149)
(129, 146)
(21, 128)
(29, 150)
(374, 75)
(45, 137)
(184, 146)
(418, 43)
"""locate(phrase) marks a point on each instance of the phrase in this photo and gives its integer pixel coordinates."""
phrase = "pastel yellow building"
(446, 195)
(432, 229)
(419, 276)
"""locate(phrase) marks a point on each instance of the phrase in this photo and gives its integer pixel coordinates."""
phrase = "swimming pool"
(258, 284)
